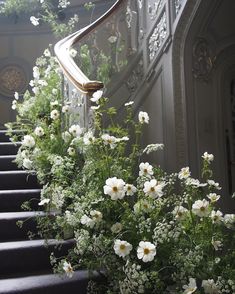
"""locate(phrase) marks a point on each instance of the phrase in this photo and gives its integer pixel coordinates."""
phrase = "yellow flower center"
(122, 247)
(145, 170)
(115, 189)
(202, 208)
(152, 189)
(146, 251)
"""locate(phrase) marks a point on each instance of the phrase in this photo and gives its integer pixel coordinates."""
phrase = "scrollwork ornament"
(203, 60)
(153, 9)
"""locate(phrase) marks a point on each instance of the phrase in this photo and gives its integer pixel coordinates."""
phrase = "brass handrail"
(68, 65)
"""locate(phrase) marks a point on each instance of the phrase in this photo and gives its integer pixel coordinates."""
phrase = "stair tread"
(9, 172)
(20, 214)
(10, 143)
(20, 191)
(8, 156)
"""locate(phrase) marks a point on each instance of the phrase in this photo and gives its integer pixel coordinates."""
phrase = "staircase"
(24, 264)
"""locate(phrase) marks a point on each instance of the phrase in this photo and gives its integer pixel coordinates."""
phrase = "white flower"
(87, 221)
(44, 201)
(191, 287)
(73, 52)
(210, 287)
(16, 95)
(129, 103)
(71, 151)
(201, 208)
(34, 20)
(130, 189)
(54, 91)
(153, 189)
(54, 103)
(142, 206)
(184, 173)
(213, 197)
(180, 212)
(109, 140)
(208, 157)
(153, 147)
(116, 228)
(88, 138)
(42, 83)
(115, 188)
(55, 114)
(194, 182)
(146, 251)
(68, 269)
(25, 154)
(143, 117)
(122, 248)
(66, 136)
(216, 216)
(216, 244)
(36, 72)
(27, 163)
(214, 184)
(96, 215)
(65, 108)
(112, 39)
(145, 169)
(28, 141)
(75, 130)
(39, 131)
(14, 105)
(35, 90)
(95, 107)
(96, 96)
(229, 220)
(47, 53)
(125, 138)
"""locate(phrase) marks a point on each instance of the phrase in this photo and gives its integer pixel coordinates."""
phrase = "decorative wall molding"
(177, 6)
(203, 60)
(154, 9)
(158, 36)
(135, 77)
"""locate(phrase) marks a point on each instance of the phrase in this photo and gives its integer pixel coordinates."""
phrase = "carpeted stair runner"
(24, 263)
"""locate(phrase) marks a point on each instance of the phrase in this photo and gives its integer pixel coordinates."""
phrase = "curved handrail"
(70, 68)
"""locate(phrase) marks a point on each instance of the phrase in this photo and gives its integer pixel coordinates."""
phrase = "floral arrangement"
(143, 230)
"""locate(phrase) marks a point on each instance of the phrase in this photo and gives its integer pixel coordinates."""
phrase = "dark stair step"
(6, 162)
(29, 255)
(9, 148)
(11, 200)
(47, 284)
(5, 138)
(17, 179)
(9, 230)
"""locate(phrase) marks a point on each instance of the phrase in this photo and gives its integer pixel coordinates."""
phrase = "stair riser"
(12, 202)
(28, 259)
(10, 181)
(7, 164)
(8, 149)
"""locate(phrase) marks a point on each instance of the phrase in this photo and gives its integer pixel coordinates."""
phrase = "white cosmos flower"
(116, 228)
(65, 108)
(47, 53)
(75, 130)
(95, 107)
(54, 91)
(122, 248)
(42, 83)
(68, 269)
(16, 95)
(216, 216)
(54, 103)
(208, 157)
(87, 221)
(28, 141)
(146, 251)
(109, 140)
(66, 136)
(194, 183)
(34, 20)
(229, 220)
(96, 96)
(14, 105)
(145, 169)
(130, 189)
(73, 52)
(180, 212)
(39, 131)
(35, 90)
(201, 208)
(88, 138)
(115, 188)
(217, 244)
(184, 173)
(125, 138)
(27, 163)
(143, 117)
(71, 151)
(142, 206)
(55, 114)
(153, 188)
(96, 215)
(44, 201)
(210, 287)
(24, 154)
(213, 197)
(214, 184)
(191, 287)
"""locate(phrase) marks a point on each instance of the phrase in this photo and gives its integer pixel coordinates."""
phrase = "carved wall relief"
(135, 77)
(154, 9)
(157, 37)
(203, 60)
